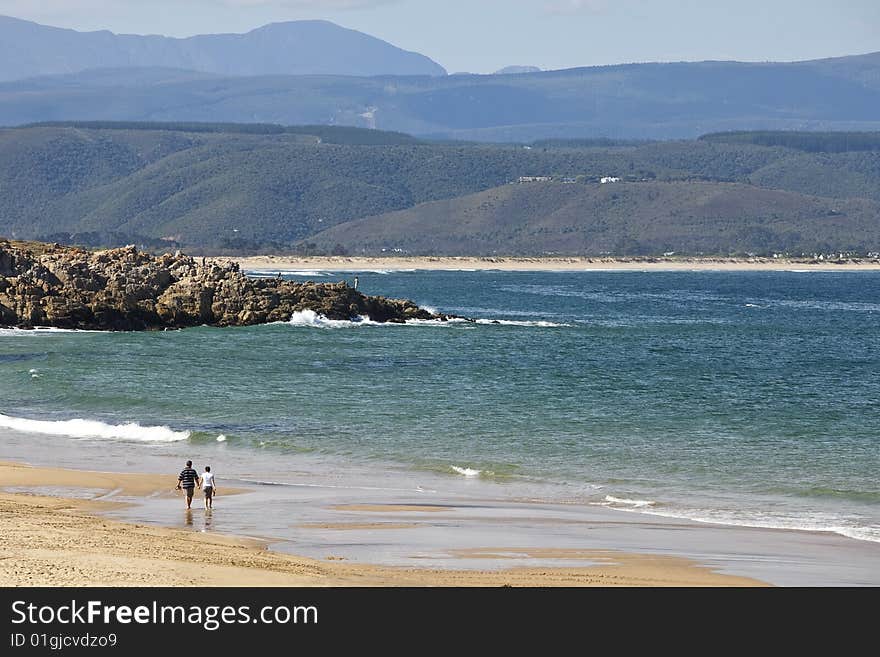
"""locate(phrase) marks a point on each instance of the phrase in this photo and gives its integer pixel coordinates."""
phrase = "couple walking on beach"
(189, 479)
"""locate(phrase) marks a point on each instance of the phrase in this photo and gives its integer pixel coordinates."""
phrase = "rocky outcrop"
(125, 289)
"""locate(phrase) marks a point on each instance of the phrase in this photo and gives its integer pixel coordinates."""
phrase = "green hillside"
(812, 142)
(224, 189)
(328, 134)
(637, 218)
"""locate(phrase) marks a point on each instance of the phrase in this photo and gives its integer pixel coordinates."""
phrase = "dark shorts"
(189, 491)
(209, 491)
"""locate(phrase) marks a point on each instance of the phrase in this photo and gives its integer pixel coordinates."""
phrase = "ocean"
(736, 398)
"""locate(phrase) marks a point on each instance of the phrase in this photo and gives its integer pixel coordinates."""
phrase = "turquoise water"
(743, 398)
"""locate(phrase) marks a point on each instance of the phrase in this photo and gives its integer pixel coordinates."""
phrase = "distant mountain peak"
(513, 70)
(311, 47)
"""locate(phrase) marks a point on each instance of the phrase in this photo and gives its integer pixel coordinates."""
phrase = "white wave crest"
(79, 428)
(638, 504)
(467, 472)
(312, 319)
(273, 273)
(42, 330)
(221, 438)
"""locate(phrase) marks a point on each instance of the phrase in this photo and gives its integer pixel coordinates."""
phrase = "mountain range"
(648, 101)
(314, 72)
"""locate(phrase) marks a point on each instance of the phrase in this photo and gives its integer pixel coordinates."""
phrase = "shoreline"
(273, 263)
(69, 541)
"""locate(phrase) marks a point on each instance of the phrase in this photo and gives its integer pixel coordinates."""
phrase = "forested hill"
(216, 188)
(624, 218)
(329, 134)
(812, 142)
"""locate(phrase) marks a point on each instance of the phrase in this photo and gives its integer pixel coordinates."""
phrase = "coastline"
(68, 541)
(273, 263)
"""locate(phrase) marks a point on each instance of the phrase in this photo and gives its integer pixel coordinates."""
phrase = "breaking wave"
(310, 318)
(41, 330)
(313, 319)
(273, 273)
(79, 428)
(635, 504)
(467, 472)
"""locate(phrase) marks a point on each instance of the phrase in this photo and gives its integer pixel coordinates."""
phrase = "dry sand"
(271, 263)
(52, 541)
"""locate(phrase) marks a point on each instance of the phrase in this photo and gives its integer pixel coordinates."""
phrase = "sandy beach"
(66, 541)
(273, 263)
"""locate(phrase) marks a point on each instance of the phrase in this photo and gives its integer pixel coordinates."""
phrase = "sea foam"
(79, 428)
(273, 273)
(636, 504)
(467, 472)
(841, 524)
(42, 330)
(459, 321)
(310, 318)
(524, 323)
(849, 526)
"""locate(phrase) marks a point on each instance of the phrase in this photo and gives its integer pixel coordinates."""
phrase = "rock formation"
(128, 290)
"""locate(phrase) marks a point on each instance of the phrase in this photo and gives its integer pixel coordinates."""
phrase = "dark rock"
(127, 290)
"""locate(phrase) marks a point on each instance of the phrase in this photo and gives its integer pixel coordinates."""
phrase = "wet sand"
(67, 541)
(381, 508)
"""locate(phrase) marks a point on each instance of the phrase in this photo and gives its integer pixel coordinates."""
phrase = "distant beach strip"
(324, 266)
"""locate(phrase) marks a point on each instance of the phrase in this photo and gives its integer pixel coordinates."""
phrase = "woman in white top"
(207, 483)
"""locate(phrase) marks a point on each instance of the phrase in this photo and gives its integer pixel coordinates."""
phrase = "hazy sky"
(484, 35)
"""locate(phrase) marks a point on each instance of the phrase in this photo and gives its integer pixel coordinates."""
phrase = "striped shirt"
(188, 478)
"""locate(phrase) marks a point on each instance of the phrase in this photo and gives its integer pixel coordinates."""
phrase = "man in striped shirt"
(187, 481)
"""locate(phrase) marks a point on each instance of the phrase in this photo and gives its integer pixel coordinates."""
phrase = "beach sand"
(272, 263)
(64, 541)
